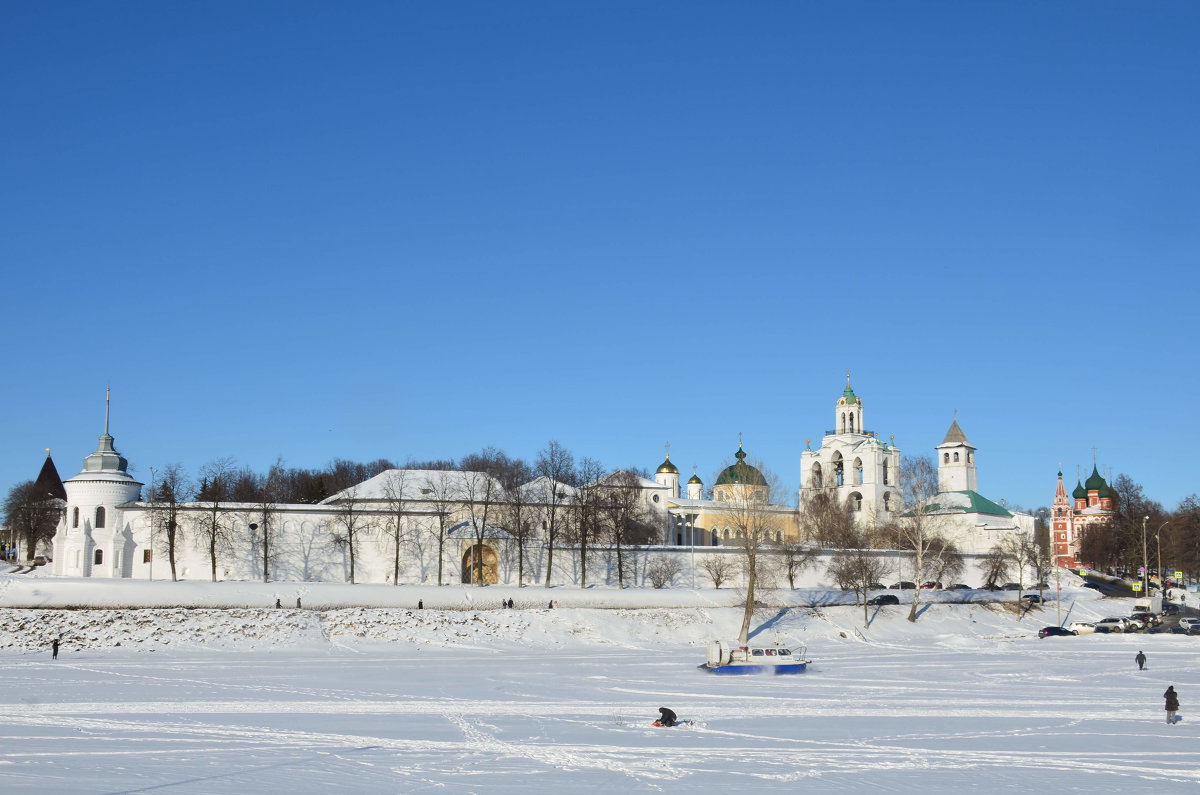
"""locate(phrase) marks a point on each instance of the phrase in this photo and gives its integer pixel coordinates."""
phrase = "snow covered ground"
(393, 699)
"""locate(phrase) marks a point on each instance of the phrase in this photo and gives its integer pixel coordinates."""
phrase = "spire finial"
(47, 452)
(668, 449)
(1093, 456)
(107, 399)
(847, 378)
(739, 440)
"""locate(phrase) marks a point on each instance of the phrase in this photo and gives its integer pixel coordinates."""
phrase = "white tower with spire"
(668, 475)
(93, 540)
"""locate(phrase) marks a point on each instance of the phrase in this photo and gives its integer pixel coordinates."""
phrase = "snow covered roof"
(419, 484)
(966, 501)
(539, 489)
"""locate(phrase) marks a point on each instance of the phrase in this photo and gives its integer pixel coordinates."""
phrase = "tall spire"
(107, 401)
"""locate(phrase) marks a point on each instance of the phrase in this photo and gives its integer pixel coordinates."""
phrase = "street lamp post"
(1145, 560)
(1158, 541)
(692, 538)
(153, 471)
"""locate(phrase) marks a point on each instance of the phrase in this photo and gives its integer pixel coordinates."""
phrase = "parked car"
(1010, 586)
(884, 599)
(1082, 627)
(1134, 624)
(1170, 609)
(876, 586)
(1111, 625)
(959, 586)
(1189, 623)
(1032, 598)
(932, 586)
(1091, 585)
(1046, 632)
(1147, 619)
(903, 585)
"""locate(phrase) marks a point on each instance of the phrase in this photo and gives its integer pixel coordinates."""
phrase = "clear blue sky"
(362, 230)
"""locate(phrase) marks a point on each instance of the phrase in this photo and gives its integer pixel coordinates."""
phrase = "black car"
(1032, 598)
(1170, 609)
(884, 599)
(1046, 632)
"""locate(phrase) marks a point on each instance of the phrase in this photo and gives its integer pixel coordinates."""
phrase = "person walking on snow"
(1140, 659)
(54, 649)
(1172, 704)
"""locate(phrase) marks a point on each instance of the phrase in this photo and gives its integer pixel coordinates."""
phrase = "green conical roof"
(1094, 481)
(1080, 493)
(848, 395)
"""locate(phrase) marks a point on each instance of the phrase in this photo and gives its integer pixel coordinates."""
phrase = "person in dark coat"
(667, 717)
(54, 649)
(298, 603)
(420, 604)
(1172, 704)
(1140, 659)
(278, 603)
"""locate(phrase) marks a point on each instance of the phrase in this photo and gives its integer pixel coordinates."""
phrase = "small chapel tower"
(668, 475)
(956, 461)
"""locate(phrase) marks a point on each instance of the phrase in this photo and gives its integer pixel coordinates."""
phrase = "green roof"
(965, 502)
(740, 474)
(849, 396)
(1080, 493)
(1094, 480)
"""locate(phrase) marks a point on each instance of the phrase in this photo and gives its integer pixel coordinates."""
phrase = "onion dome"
(1080, 493)
(695, 480)
(667, 468)
(1094, 481)
(848, 397)
(741, 473)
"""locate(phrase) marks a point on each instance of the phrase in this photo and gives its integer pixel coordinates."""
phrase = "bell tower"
(956, 461)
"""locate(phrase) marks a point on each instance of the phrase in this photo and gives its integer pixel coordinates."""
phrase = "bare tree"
(214, 524)
(1021, 553)
(446, 496)
(719, 567)
(481, 494)
(172, 488)
(663, 570)
(857, 570)
(267, 498)
(350, 523)
(31, 513)
(395, 525)
(518, 511)
(794, 557)
(624, 514)
(746, 510)
(829, 521)
(586, 511)
(920, 526)
(995, 567)
(556, 464)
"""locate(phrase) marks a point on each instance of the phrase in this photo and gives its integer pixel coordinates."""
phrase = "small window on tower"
(956, 457)
(99, 518)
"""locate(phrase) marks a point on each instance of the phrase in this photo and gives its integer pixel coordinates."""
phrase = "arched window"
(99, 519)
(970, 457)
(75, 517)
(856, 501)
(945, 458)
(885, 473)
(956, 457)
(852, 423)
(98, 558)
(858, 472)
(778, 537)
(843, 422)
(887, 501)
(816, 476)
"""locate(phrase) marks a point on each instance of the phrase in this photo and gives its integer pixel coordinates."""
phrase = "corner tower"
(93, 539)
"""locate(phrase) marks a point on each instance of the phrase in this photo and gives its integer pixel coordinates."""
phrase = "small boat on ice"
(728, 657)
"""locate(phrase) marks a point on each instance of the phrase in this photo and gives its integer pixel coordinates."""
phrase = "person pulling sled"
(666, 717)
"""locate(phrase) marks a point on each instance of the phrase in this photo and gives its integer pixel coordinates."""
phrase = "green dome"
(1080, 493)
(848, 396)
(1094, 481)
(741, 474)
(667, 468)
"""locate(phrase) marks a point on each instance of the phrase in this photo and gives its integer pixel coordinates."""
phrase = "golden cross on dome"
(847, 378)
(668, 449)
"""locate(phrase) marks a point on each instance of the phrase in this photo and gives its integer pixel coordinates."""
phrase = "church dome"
(848, 397)
(1080, 493)
(1094, 481)
(695, 480)
(741, 473)
(667, 468)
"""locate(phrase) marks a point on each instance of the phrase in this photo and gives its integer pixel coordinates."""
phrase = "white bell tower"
(956, 461)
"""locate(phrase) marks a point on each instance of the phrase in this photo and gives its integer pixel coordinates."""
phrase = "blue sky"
(362, 230)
